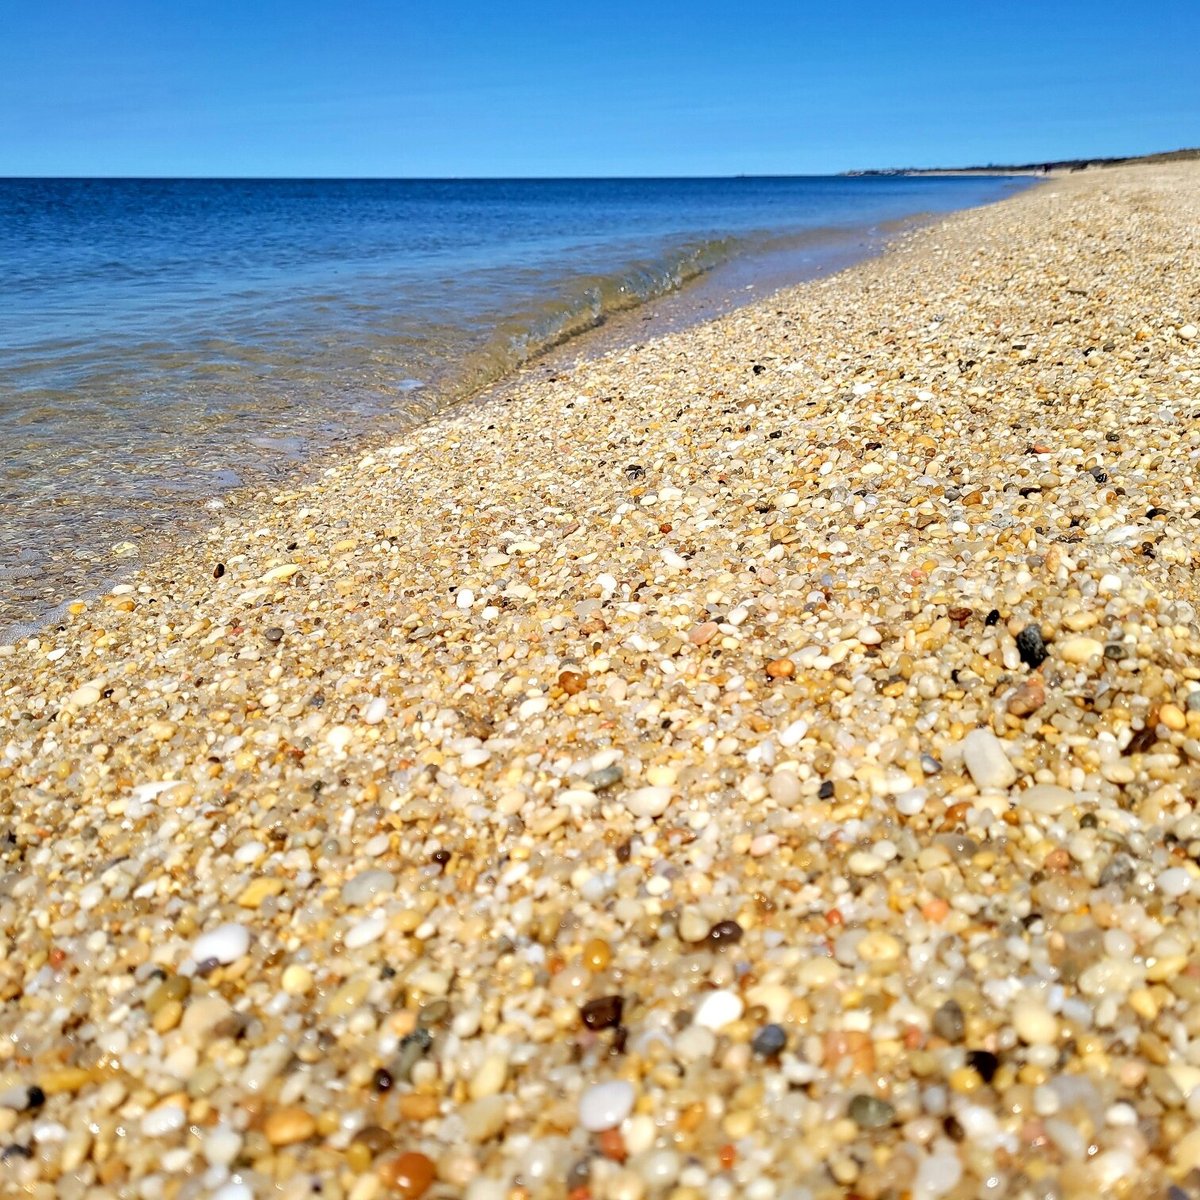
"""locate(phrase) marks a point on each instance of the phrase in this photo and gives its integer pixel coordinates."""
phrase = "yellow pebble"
(597, 954)
(168, 1016)
(965, 1080)
(259, 890)
(358, 1157)
(65, 1079)
(738, 1124)
(286, 1126)
(1172, 717)
(297, 980)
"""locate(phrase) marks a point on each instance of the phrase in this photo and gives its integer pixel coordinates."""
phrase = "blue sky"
(512, 87)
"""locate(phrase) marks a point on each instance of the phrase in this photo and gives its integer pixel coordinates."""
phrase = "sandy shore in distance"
(759, 763)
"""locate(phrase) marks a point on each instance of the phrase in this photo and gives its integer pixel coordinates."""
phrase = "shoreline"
(754, 761)
(747, 276)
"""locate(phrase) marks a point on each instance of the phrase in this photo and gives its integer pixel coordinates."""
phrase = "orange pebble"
(572, 682)
(410, 1174)
(612, 1145)
(781, 668)
(597, 954)
(728, 1155)
(935, 910)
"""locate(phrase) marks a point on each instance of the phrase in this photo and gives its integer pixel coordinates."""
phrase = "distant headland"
(1038, 168)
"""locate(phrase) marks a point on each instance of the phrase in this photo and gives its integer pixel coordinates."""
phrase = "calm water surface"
(162, 341)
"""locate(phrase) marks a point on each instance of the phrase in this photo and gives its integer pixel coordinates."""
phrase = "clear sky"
(615, 87)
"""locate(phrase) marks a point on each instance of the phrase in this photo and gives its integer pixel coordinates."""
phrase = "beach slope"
(761, 759)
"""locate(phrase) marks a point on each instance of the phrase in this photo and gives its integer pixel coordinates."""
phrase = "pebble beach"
(760, 763)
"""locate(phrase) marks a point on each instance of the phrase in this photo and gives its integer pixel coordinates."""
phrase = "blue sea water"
(164, 340)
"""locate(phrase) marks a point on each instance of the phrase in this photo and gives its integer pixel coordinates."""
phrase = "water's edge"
(602, 316)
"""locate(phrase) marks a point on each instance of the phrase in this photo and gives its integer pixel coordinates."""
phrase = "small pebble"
(718, 1009)
(986, 761)
(225, 944)
(286, 1126)
(769, 1041)
(870, 1112)
(605, 1105)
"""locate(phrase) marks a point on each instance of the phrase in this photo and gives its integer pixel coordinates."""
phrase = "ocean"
(165, 341)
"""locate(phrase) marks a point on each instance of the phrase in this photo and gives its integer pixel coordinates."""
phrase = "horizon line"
(847, 173)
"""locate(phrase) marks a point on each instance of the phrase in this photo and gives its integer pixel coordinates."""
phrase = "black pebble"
(382, 1080)
(1099, 474)
(218, 570)
(635, 471)
(769, 1041)
(825, 792)
(758, 368)
(34, 1098)
(724, 933)
(1031, 647)
(993, 618)
(985, 1063)
(604, 1012)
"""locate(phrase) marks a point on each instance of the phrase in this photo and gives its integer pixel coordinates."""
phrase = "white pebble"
(368, 930)
(339, 737)
(793, 734)
(222, 1145)
(1046, 798)
(226, 944)
(1079, 650)
(863, 862)
(1174, 882)
(163, 1120)
(1035, 1026)
(375, 711)
(648, 801)
(936, 1176)
(605, 1105)
(986, 761)
(719, 1009)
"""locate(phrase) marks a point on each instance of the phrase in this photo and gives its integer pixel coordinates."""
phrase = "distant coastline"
(1039, 168)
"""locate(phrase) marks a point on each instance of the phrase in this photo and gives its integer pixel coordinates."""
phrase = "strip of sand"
(756, 763)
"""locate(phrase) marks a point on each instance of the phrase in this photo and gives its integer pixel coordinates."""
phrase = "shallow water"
(162, 341)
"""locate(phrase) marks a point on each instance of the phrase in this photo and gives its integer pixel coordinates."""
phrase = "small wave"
(578, 305)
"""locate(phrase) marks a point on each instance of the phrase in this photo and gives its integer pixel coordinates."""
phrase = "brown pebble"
(1027, 698)
(603, 1012)
(612, 1145)
(286, 1126)
(572, 682)
(781, 668)
(375, 1138)
(724, 933)
(410, 1174)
